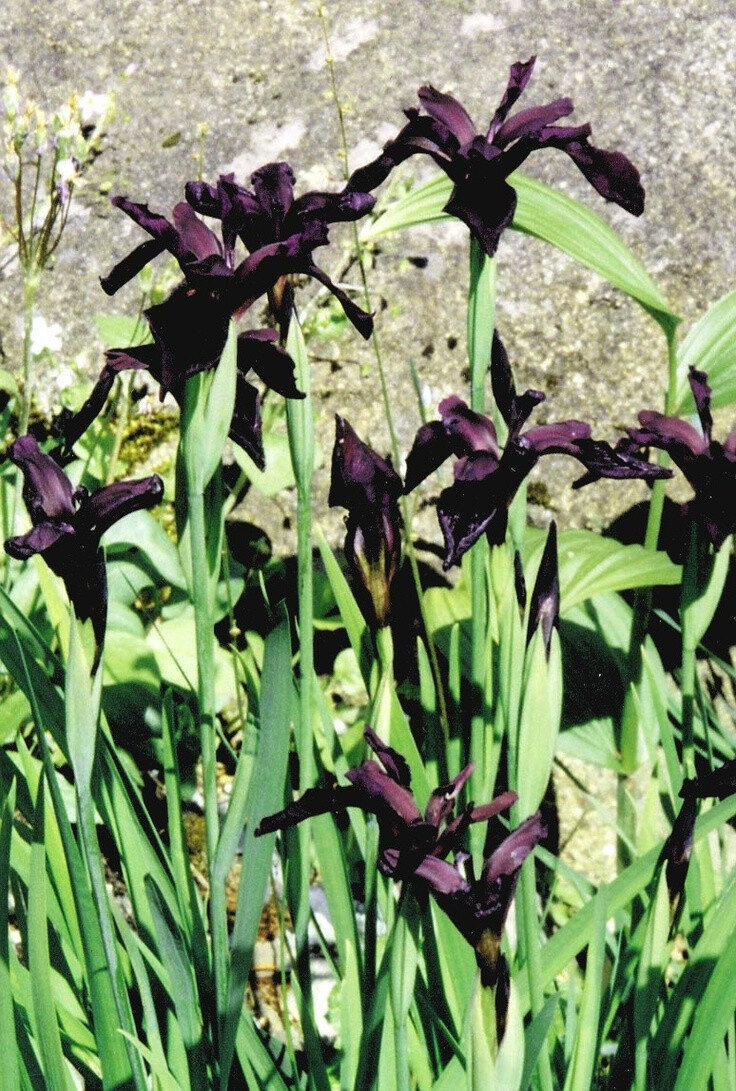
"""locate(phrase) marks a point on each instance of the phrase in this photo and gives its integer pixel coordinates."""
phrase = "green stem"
(481, 321)
(628, 727)
(31, 282)
(406, 512)
(530, 932)
(201, 590)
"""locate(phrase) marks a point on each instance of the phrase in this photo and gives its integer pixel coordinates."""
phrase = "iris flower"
(486, 479)
(269, 213)
(478, 907)
(190, 327)
(479, 164)
(369, 487)
(406, 836)
(68, 524)
(708, 465)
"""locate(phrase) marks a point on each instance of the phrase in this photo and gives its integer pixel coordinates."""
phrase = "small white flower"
(94, 108)
(45, 336)
(66, 170)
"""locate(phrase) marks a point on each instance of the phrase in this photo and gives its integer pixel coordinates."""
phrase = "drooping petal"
(47, 491)
(257, 349)
(312, 802)
(141, 358)
(486, 203)
(362, 320)
(245, 425)
(131, 265)
(37, 540)
(430, 449)
(611, 173)
(466, 511)
(620, 462)
(107, 505)
(190, 329)
(273, 185)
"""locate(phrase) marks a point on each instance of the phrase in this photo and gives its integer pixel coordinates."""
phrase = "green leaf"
(585, 1050)
(535, 1038)
(709, 346)
(570, 940)
(539, 721)
(44, 1009)
(265, 792)
(714, 1013)
(650, 977)
(176, 959)
(174, 645)
(278, 474)
(206, 415)
(552, 216)
(82, 704)
(117, 330)
(8, 1045)
(684, 1003)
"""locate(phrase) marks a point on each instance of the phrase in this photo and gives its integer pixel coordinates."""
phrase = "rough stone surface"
(655, 81)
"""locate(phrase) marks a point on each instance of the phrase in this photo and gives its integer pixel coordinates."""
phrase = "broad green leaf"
(118, 330)
(710, 346)
(511, 1057)
(174, 645)
(82, 705)
(550, 215)
(351, 1018)
(278, 474)
(140, 538)
(258, 1063)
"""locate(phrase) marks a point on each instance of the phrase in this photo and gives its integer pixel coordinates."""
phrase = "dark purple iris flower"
(369, 487)
(269, 213)
(486, 479)
(407, 837)
(712, 784)
(478, 907)
(479, 164)
(190, 327)
(68, 524)
(709, 466)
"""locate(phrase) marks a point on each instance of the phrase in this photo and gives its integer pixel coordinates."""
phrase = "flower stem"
(481, 321)
(530, 931)
(202, 593)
